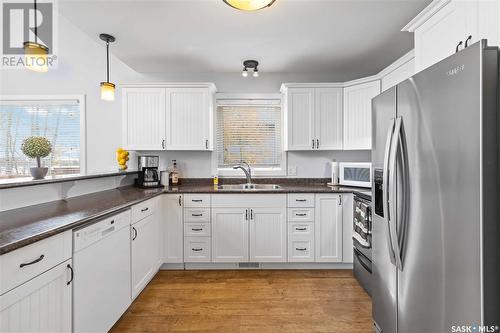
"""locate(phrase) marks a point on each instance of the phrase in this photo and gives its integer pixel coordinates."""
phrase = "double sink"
(249, 187)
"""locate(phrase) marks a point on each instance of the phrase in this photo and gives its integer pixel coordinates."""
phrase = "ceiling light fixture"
(107, 88)
(249, 5)
(36, 53)
(252, 64)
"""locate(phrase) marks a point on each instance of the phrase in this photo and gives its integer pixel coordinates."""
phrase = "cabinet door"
(189, 119)
(43, 304)
(438, 37)
(267, 235)
(347, 220)
(328, 228)
(144, 118)
(230, 234)
(145, 250)
(171, 219)
(358, 115)
(328, 118)
(299, 117)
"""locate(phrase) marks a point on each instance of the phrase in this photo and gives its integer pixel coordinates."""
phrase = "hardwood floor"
(250, 301)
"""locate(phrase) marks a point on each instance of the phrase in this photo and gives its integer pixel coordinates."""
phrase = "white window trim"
(83, 127)
(222, 98)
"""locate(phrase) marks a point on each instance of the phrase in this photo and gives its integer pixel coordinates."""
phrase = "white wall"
(82, 66)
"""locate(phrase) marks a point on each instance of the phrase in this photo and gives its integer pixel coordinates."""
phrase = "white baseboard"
(228, 266)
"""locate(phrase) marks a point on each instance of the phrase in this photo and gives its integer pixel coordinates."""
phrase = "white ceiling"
(352, 37)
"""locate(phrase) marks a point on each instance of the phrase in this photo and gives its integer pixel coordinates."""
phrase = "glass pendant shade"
(107, 91)
(249, 4)
(36, 57)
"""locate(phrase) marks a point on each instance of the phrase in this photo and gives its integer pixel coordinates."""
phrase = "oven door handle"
(360, 259)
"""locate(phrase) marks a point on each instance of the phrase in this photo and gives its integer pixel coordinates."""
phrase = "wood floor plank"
(250, 301)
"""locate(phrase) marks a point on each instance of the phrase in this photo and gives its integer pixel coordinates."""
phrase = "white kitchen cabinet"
(328, 228)
(358, 115)
(143, 118)
(347, 227)
(313, 117)
(445, 26)
(168, 116)
(42, 304)
(267, 237)
(197, 249)
(230, 234)
(189, 119)
(145, 251)
(398, 71)
(300, 242)
(172, 221)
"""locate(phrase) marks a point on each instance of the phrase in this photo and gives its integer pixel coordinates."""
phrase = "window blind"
(56, 120)
(249, 132)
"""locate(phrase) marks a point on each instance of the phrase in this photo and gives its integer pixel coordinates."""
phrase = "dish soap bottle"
(175, 174)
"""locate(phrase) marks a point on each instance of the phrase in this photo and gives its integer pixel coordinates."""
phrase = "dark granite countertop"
(23, 226)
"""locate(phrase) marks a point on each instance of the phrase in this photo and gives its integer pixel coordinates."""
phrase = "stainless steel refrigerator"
(436, 205)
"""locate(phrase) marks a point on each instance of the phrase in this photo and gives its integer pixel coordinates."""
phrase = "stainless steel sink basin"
(249, 187)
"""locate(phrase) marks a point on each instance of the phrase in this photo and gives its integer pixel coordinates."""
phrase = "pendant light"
(249, 5)
(107, 88)
(36, 54)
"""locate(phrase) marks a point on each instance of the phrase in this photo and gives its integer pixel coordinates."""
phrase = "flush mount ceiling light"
(107, 88)
(35, 52)
(250, 64)
(249, 5)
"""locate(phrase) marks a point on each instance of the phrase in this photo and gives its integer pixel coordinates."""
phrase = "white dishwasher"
(101, 260)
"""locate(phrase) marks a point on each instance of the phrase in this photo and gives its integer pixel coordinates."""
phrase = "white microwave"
(355, 174)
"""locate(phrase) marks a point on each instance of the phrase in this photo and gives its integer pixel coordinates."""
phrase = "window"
(250, 131)
(57, 118)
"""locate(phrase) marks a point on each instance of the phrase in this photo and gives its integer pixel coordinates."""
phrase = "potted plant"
(37, 147)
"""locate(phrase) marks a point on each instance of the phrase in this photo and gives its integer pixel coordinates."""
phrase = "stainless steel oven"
(362, 239)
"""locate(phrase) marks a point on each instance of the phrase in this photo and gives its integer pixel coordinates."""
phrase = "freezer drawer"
(363, 271)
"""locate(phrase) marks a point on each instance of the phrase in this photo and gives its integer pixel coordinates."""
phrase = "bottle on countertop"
(174, 174)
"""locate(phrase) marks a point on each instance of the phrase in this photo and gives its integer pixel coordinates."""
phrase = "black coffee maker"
(148, 171)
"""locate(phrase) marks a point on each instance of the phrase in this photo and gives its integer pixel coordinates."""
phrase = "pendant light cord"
(107, 61)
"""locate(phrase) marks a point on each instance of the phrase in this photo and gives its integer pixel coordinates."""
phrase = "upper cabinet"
(168, 117)
(358, 115)
(447, 26)
(313, 117)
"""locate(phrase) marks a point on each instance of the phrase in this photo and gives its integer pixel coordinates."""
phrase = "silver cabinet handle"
(196, 200)
(251, 214)
(300, 229)
(317, 143)
(301, 200)
(180, 200)
(135, 233)
(312, 143)
(467, 41)
(197, 229)
(301, 249)
(163, 144)
(458, 46)
(197, 249)
(196, 215)
(300, 214)
(145, 209)
(206, 144)
(32, 262)
(246, 214)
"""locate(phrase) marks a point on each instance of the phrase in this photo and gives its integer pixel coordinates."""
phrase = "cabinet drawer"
(196, 229)
(196, 200)
(301, 200)
(301, 214)
(143, 209)
(197, 249)
(196, 214)
(301, 250)
(300, 231)
(27, 262)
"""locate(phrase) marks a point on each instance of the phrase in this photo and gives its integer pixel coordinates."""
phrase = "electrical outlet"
(292, 170)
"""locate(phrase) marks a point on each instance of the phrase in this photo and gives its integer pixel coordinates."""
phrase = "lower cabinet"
(145, 252)
(301, 242)
(328, 228)
(197, 249)
(267, 235)
(230, 234)
(42, 304)
(171, 219)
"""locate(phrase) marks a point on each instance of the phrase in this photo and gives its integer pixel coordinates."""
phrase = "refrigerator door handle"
(385, 192)
(395, 145)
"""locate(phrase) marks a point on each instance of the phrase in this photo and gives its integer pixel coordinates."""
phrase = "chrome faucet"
(247, 170)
